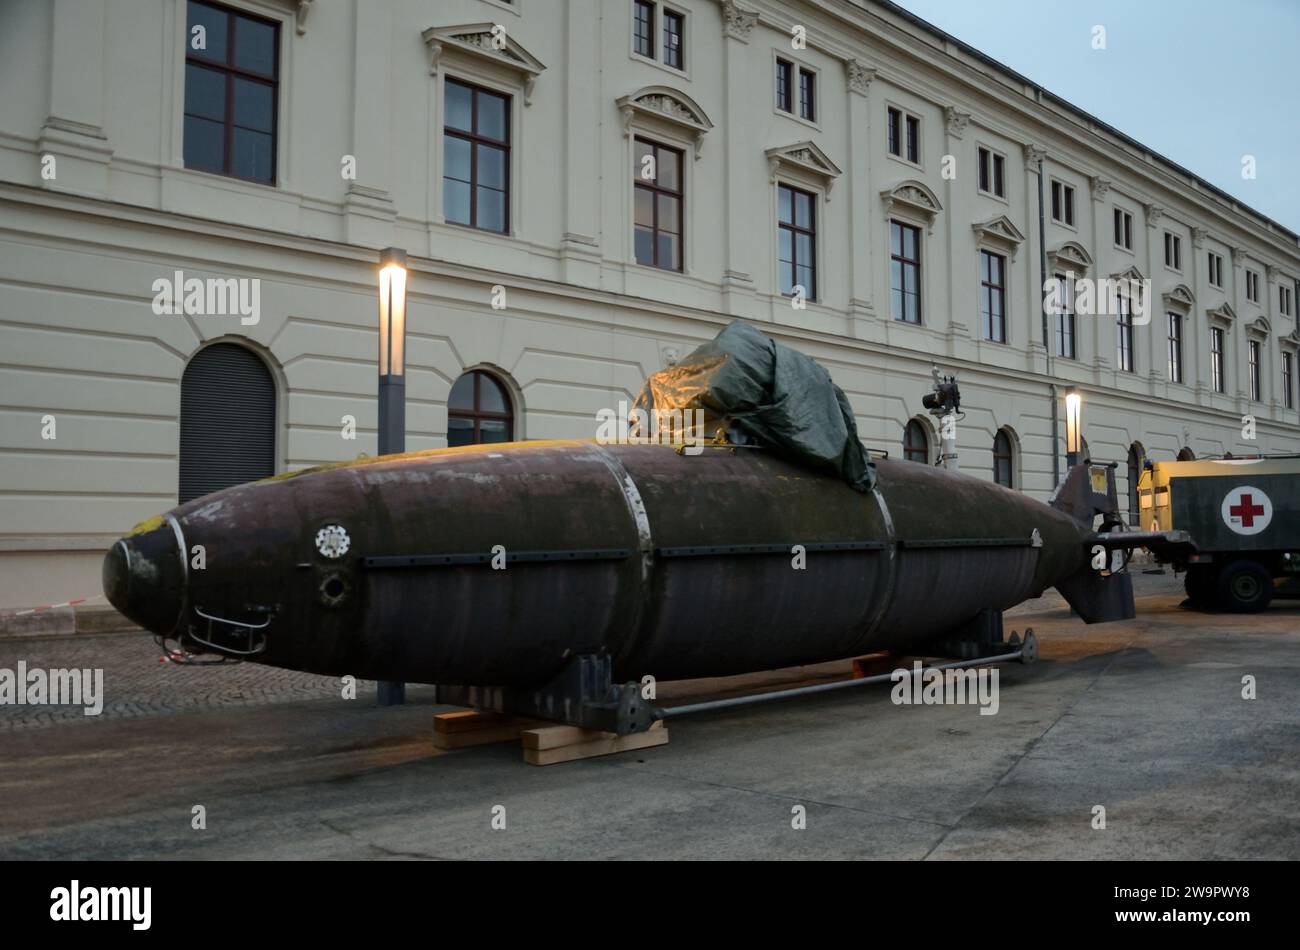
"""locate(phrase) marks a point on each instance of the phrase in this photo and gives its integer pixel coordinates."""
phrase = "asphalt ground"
(1144, 718)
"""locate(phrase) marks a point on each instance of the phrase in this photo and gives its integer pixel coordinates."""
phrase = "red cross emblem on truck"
(1246, 511)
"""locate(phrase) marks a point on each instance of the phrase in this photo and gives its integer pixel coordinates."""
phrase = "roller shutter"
(227, 420)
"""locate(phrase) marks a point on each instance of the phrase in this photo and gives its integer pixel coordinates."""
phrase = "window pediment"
(653, 105)
(1260, 328)
(481, 44)
(912, 197)
(804, 160)
(1223, 313)
(1070, 257)
(1180, 298)
(1001, 232)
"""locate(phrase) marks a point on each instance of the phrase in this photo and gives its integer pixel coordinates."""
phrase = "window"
(797, 241)
(904, 272)
(228, 420)
(1252, 286)
(1124, 331)
(658, 204)
(1216, 269)
(1063, 203)
(786, 93)
(1252, 348)
(1002, 459)
(1288, 381)
(916, 443)
(992, 167)
(1216, 359)
(1284, 300)
(993, 296)
(1173, 251)
(671, 27)
(1124, 229)
(478, 411)
(807, 95)
(674, 39)
(231, 91)
(476, 158)
(1175, 355)
(643, 28)
(904, 135)
(1065, 318)
(785, 85)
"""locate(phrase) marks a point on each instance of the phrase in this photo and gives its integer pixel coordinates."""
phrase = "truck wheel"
(1199, 584)
(1245, 587)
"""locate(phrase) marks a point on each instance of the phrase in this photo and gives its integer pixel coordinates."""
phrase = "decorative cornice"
(478, 41)
(1198, 236)
(1223, 312)
(737, 23)
(668, 105)
(1239, 255)
(1072, 255)
(1270, 272)
(956, 121)
(1100, 187)
(1180, 297)
(1260, 327)
(859, 76)
(1000, 231)
(915, 197)
(1033, 155)
(1153, 214)
(803, 158)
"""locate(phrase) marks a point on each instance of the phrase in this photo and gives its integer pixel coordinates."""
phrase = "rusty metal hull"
(674, 566)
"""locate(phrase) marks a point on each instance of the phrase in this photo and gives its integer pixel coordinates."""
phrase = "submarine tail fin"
(1097, 596)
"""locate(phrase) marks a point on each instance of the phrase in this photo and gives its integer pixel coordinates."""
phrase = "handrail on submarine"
(1027, 653)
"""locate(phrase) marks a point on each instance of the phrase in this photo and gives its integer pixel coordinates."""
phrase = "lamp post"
(1073, 433)
(392, 385)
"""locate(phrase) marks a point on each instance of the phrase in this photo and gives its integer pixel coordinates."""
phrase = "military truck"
(1243, 516)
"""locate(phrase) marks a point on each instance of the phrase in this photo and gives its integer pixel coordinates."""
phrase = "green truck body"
(1243, 516)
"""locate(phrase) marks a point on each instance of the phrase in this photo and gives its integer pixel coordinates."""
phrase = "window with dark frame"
(1216, 269)
(1252, 350)
(1003, 459)
(1065, 345)
(991, 172)
(674, 39)
(807, 95)
(797, 241)
(659, 204)
(1124, 333)
(1063, 203)
(1216, 359)
(479, 411)
(1175, 355)
(1173, 251)
(231, 93)
(1284, 300)
(913, 139)
(993, 296)
(1288, 381)
(785, 85)
(643, 28)
(904, 272)
(895, 124)
(476, 157)
(1252, 286)
(916, 443)
(1124, 229)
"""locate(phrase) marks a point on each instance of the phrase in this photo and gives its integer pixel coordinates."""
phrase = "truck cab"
(1243, 515)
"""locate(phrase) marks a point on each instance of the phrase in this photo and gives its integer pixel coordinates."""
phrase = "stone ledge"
(88, 620)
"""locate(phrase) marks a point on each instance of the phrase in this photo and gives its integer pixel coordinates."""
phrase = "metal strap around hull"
(877, 615)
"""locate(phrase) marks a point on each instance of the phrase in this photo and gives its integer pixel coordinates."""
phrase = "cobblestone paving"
(137, 684)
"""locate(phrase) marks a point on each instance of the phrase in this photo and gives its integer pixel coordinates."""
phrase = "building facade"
(586, 190)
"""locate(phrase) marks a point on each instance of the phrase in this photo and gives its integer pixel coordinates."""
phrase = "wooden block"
(461, 730)
(550, 745)
(874, 664)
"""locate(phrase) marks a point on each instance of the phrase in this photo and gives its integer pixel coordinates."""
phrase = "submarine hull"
(496, 564)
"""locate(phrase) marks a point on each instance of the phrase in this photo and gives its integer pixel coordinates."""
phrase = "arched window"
(1185, 454)
(1002, 459)
(227, 420)
(478, 410)
(916, 443)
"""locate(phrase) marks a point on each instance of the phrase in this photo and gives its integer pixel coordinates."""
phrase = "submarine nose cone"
(144, 576)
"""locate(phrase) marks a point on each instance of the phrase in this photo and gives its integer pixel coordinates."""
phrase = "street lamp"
(392, 385)
(1073, 433)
